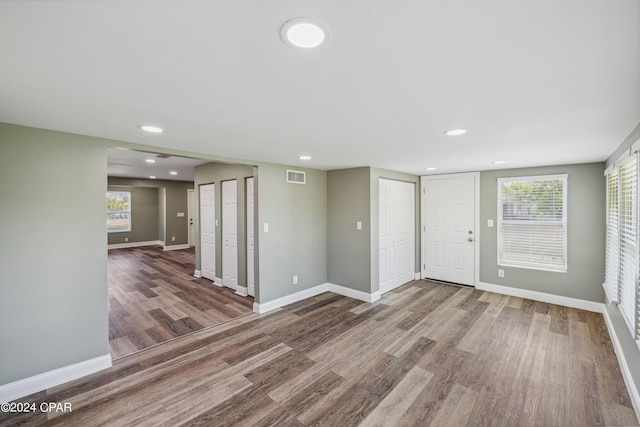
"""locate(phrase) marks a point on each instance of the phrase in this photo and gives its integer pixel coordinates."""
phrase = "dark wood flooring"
(426, 354)
(153, 298)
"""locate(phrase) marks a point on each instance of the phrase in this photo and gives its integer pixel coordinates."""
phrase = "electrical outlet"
(126, 239)
(173, 238)
(500, 273)
(295, 279)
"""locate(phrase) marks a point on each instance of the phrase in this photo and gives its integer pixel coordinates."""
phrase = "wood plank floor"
(426, 354)
(153, 298)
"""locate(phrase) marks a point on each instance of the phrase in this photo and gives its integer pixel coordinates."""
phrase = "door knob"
(470, 239)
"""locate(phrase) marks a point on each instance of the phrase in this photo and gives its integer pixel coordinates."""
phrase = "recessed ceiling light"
(455, 132)
(499, 162)
(173, 173)
(431, 169)
(152, 129)
(150, 161)
(152, 177)
(304, 33)
(305, 157)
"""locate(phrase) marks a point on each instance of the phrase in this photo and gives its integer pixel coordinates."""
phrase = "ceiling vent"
(296, 177)
(163, 156)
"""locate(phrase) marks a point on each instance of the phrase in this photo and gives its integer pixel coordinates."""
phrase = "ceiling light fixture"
(152, 129)
(173, 173)
(305, 157)
(150, 161)
(152, 177)
(455, 132)
(499, 162)
(431, 169)
(304, 33)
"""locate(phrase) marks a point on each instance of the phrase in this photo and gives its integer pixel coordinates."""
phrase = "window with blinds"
(628, 217)
(532, 222)
(612, 257)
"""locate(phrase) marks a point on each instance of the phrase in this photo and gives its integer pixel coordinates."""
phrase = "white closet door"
(251, 282)
(230, 234)
(208, 231)
(396, 233)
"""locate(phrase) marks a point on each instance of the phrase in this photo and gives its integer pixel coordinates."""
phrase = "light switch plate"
(265, 227)
(180, 214)
(489, 223)
(358, 225)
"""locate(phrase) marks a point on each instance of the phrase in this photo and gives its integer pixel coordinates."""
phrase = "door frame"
(476, 214)
(191, 225)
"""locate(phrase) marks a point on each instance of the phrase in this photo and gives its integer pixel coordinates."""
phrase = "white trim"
(609, 170)
(289, 299)
(251, 289)
(596, 307)
(40, 382)
(242, 291)
(311, 292)
(218, 281)
(352, 293)
(626, 153)
(176, 247)
(197, 273)
(635, 147)
(135, 244)
(476, 237)
(632, 388)
(416, 276)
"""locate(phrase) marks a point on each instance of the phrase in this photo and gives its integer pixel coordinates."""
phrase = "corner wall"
(585, 234)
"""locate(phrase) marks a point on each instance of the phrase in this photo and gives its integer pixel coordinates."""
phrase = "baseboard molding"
(135, 244)
(289, 299)
(242, 291)
(197, 273)
(632, 388)
(217, 281)
(596, 307)
(40, 382)
(352, 293)
(311, 292)
(176, 247)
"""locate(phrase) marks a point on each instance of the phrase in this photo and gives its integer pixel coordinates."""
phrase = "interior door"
(396, 233)
(230, 234)
(449, 233)
(251, 282)
(191, 208)
(208, 231)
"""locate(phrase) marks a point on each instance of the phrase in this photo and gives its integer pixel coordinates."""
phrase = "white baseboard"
(311, 292)
(242, 291)
(40, 382)
(217, 281)
(596, 307)
(352, 293)
(135, 244)
(289, 299)
(624, 366)
(197, 273)
(176, 247)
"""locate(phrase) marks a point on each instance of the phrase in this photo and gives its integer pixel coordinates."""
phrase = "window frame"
(563, 223)
(128, 211)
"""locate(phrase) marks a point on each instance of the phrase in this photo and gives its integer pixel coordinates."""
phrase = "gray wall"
(585, 234)
(376, 174)
(144, 216)
(349, 250)
(53, 257)
(171, 198)
(296, 243)
(216, 173)
(628, 346)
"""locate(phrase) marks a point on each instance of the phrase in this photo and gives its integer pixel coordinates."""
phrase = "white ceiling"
(534, 82)
(133, 164)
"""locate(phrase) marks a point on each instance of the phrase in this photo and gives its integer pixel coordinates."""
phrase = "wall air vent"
(296, 177)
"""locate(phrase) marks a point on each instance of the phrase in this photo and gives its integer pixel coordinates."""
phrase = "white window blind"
(612, 258)
(628, 216)
(532, 222)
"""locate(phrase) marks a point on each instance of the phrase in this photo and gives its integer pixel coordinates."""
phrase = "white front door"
(449, 227)
(208, 231)
(396, 233)
(230, 234)
(251, 279)
(191, 209)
